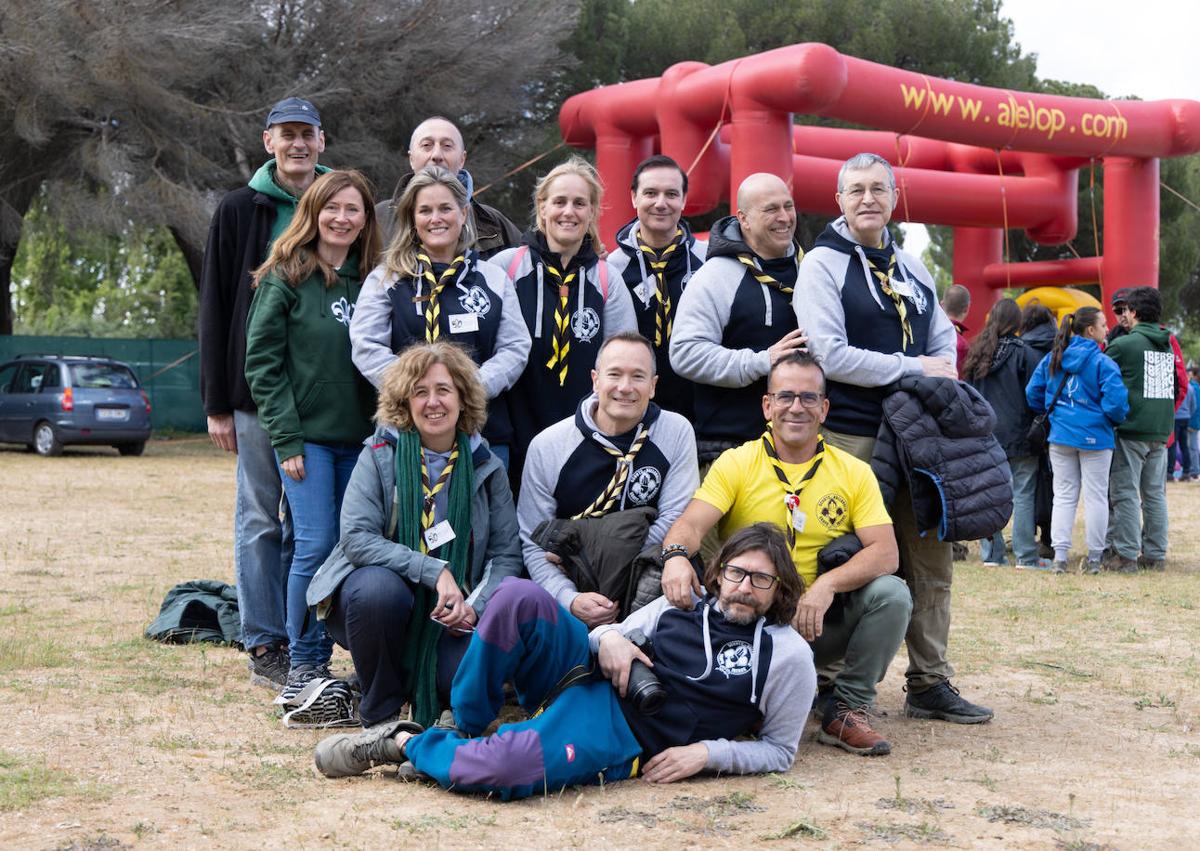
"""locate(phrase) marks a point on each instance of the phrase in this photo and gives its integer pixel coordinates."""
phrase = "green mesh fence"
(169, 370)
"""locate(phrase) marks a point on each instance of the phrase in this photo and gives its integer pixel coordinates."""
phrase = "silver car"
(51, 401)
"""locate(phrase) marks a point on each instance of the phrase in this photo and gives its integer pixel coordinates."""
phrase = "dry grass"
(111, 741)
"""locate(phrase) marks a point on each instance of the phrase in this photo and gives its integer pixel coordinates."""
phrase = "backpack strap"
(515, 264)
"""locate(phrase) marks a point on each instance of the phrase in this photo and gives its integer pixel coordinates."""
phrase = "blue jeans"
(1194, 449)
(262, 543)
(316, 503)
(1024, 522)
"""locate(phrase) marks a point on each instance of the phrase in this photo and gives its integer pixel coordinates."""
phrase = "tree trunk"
(14, 204)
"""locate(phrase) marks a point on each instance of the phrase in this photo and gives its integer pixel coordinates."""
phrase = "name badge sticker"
(464, 323)
(799, 518)
(903, 287)
(642, 291)
(439, 534)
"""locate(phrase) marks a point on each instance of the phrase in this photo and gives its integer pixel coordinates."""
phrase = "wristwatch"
(672, 550)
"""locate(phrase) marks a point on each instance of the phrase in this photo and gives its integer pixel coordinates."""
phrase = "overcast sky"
(1148, 48)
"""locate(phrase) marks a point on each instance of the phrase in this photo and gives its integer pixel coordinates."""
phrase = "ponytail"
(1073, 324)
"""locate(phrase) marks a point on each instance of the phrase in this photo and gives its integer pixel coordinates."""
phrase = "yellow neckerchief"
(658, 264)
(427, 504)
(612, 491)
(562, 324)
(791, 495)
(433, 309)
(762, 277)
(885, 284)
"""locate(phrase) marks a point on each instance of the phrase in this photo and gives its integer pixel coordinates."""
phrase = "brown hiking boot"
(850, 730)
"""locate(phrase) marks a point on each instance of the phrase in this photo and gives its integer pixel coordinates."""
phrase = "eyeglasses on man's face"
(761, 581)
(786, 398)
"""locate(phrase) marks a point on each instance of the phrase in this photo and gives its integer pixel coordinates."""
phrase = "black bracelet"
(672, 550)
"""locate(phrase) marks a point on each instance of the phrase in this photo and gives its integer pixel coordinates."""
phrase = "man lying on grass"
(729, 668)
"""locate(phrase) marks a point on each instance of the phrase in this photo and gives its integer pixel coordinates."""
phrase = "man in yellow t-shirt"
(816, 493)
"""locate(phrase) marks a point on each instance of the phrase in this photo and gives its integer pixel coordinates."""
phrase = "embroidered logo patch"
(475, 300)
(734, 659)
(585, 324)
(918, 296)
(342, 310)
(570, 753)
(831, 510)
(644, 485)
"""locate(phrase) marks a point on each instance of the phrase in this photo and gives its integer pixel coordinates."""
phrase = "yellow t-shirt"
(842, 496)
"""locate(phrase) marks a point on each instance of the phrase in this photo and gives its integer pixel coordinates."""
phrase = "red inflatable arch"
(973, 157)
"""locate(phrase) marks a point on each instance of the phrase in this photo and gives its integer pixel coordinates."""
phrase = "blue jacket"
(1194, 390)
(1093, 402)
(1187, 411)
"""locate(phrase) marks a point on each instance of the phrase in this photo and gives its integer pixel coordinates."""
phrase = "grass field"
(112, 741)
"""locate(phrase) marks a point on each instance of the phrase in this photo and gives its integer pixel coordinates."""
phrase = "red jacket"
(961, 345)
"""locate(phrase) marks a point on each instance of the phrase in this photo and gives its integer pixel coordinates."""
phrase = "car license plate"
(112, 414)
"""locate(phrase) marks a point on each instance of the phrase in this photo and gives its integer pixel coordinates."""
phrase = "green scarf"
(420, 644)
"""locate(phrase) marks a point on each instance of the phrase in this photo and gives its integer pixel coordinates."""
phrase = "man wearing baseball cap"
(1124, 323)
(247, 221)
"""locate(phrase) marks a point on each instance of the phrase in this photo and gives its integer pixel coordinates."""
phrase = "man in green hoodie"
(246, 223)
(1139, 461)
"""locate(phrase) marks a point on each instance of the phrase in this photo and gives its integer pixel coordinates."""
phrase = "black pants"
(369, 617)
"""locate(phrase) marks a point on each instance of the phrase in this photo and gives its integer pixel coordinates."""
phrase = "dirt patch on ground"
(112, 741)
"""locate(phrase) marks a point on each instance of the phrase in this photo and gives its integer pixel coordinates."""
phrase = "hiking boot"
(350, 754)
(1158, 565)
(270, 668)
(1117, 563)
(943, 702)
(850, 730)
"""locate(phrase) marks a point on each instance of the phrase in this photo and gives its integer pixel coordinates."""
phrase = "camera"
(644, 689)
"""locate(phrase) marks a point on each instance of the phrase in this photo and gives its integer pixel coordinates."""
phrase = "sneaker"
(849, 730)
(943, 702)
(350, 754)
(995, 563)
(1040, 564)
(1090, 566)
(271, 667)
(1057, 566)
(1158, 565)
(301, 675)
(1117, 563)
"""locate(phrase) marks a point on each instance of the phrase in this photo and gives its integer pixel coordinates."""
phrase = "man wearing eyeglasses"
(873, 317)
(816, 493)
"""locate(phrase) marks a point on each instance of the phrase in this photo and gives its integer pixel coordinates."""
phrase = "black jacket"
(237, 244)
(1004, 388)
(936, 437)
(1041, 337)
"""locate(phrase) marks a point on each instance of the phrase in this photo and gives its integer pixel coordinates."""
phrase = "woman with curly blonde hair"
(429, 530)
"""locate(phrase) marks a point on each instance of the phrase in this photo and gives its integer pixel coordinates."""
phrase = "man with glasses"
(873, 317)
(727, 666)
(853, 615)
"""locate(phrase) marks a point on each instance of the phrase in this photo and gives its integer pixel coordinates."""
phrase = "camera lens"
(645, 691)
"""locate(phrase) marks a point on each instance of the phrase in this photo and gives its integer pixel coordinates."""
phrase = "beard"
(742, 617)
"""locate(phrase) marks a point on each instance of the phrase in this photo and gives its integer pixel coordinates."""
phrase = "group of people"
(390, 374)
(1112, 400)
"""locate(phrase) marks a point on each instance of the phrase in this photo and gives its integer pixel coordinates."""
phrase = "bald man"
(735, 318)
(436, 141)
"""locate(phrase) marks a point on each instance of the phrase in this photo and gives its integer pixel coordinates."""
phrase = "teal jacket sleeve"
(266, 367)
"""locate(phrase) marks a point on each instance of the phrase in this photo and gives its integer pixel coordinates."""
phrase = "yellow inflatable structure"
(1060, 300)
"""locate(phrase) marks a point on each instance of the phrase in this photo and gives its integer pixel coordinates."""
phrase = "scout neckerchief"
(562, 324)
(885, 284)
(433, 309)
(612, 491)
(791, 495)
(429, 494)
(658, 264)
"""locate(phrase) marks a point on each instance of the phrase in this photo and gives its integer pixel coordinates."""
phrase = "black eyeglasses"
(761, 581)
(785, 398)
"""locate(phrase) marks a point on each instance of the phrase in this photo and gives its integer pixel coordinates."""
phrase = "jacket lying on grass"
(200, 610)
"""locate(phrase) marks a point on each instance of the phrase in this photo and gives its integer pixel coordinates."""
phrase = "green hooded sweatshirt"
(285, 202)
(1148, 369)
(298, 362)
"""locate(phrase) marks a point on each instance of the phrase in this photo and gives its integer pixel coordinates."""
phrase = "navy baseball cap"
(294, 109)
(1122, 295)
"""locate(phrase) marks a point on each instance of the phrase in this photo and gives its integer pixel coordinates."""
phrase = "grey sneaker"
(1090, 566)
(271, 667)
(943, 702)
(350, 754)
(1058, 567)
